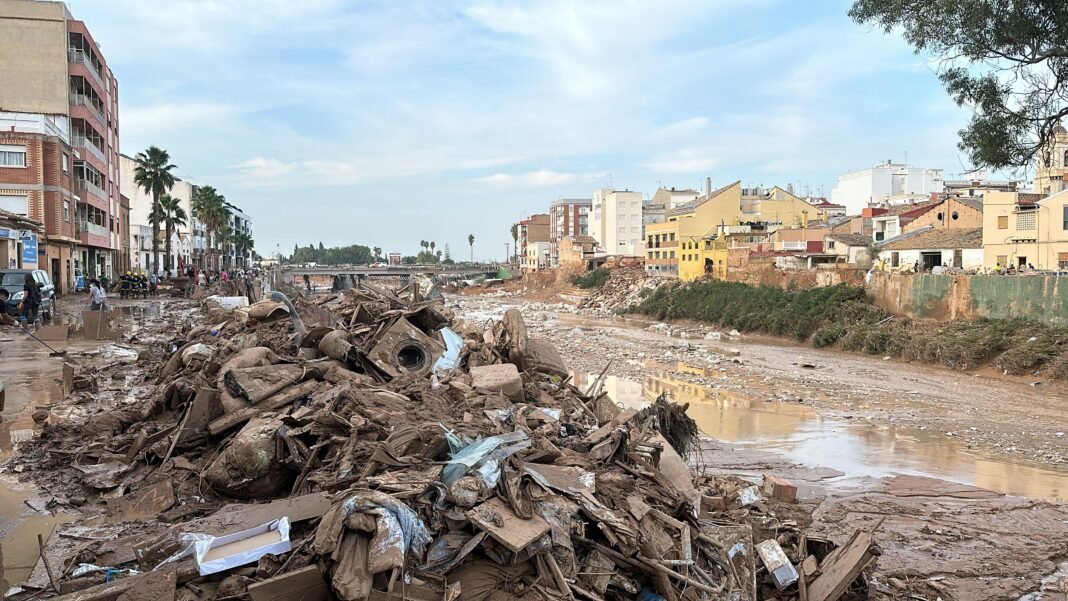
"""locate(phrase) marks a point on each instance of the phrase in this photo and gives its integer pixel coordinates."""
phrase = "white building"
(616, 222)
(185, 238)
(537, 256)
(239, 222)
(886, 184)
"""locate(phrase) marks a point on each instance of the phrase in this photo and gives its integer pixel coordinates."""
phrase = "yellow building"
(1025, 229)
(694, 241)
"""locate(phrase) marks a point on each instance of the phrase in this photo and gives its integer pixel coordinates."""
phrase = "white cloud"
(543, 178)
(173, 116)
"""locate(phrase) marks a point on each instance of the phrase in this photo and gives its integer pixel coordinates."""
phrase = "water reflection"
(857, 448)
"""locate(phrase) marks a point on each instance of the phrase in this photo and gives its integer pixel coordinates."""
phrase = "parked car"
(12, 280)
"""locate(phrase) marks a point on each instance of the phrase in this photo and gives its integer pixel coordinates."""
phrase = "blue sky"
(386, 122)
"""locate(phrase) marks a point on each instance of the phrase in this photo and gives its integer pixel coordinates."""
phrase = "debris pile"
(366, 445)
(624, 287)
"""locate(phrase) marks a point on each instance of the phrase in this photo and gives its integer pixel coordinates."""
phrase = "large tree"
(471, 243)
(153, 174)
(210, 208)
(1007, 60)
(171, 214)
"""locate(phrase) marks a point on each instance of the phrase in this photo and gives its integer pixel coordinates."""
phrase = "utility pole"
(507, 256)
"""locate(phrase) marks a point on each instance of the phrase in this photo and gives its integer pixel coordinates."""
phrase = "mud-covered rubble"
(368, 445)
(623, 288)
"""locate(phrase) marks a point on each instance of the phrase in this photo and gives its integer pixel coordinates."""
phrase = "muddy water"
(853, 447)
(32, 380)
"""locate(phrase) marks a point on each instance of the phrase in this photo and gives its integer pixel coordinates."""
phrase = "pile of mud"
(368, 445)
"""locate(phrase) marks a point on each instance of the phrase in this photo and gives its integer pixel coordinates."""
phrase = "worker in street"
(31, 301)
(97, 296)
(5, 319)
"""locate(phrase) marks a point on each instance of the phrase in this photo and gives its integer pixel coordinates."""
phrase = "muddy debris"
(369, 445)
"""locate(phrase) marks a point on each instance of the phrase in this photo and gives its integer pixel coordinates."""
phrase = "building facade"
(536, 256)
(535, 228)
(59, 103)
(567, 217)
(616, 221)
(888, 183)
(1025, 229)
(186, 240)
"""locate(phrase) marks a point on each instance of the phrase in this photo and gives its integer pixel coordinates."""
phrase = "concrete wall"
(1042, 298)
(33, 57)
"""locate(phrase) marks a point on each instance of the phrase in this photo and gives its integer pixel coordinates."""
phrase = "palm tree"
(211, 209)
(244, 244)
(515, 240)
(378, 252)
(172, 216)
(471, 243)
(224, 237)
(153, 175)
(432, 245)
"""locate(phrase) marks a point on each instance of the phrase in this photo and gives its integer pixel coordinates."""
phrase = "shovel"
(54, 352)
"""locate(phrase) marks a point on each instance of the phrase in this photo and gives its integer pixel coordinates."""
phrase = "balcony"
(80, 57)
(77, 99)
(87, 186)
(83, 142)
(92, 228)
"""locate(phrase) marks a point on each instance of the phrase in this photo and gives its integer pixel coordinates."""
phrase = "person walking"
(31, 301)
(98, 298)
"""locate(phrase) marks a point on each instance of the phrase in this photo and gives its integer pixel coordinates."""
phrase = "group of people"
(206, 278)
(29, 307)
(131, 280)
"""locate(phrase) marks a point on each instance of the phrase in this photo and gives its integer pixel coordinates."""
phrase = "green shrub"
(593, 279)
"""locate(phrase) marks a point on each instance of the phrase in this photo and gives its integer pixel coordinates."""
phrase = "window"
(672, 254)
(1025, 221)
(671, 236)
(955, 215)
(66, 163)
(1003, 222)
(1064, 214)
(830, 244)
(895, 259)
(14, 204)
(1003, 260)
(12, 155)
(622, 229)
(66, 209)
(1062, 260)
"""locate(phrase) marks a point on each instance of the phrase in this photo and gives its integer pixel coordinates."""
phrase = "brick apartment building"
(59, 139)
(567, 217)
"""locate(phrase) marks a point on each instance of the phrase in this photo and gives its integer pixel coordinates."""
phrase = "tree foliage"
(1008, 61)
(154, 174)
(356, 254)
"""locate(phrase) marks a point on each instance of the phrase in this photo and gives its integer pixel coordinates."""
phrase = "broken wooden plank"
(277, 401)
(305, 584)
(841, 567)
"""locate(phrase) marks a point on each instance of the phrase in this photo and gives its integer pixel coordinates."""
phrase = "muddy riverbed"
(967, 471)
(856, 413)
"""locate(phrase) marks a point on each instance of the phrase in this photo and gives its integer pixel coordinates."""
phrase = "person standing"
(97, 297)
(31, 300)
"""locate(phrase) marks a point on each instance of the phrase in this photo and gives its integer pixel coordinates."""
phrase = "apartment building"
(187, 242)
(535, 228)
(60, 143)
(697, 236)
(239, 223)
(616, 222)
(567, 217)
(1025, 229)
(886, 184)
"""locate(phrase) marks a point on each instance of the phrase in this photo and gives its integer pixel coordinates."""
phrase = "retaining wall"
(1038, 297)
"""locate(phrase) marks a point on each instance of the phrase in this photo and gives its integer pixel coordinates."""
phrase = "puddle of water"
(859, 448)
(32, 380)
